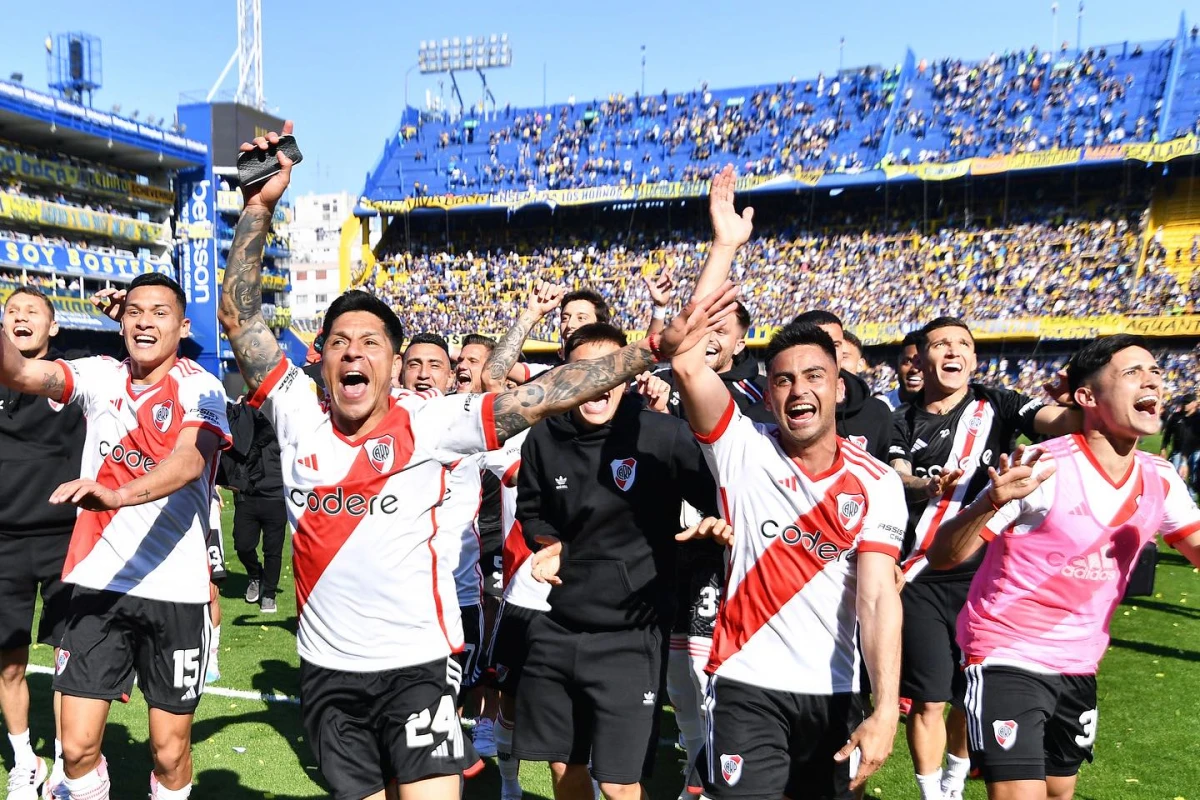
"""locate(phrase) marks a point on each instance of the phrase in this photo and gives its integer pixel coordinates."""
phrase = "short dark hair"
(742, 314)
(430, 338)
(358, 300)
(942, 322)
(158, 279)
(480, 339)
(913, 338)
(593, 334)
(818, 316)
(795, 334)
(850, 338)
(590, 296)
(1095, 355)
(32, 292)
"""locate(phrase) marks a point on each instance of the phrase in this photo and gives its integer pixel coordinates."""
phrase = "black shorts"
(700, 578)
(591, 694)
(492, 565)
(29, 564)
(469, 657)
(215, 543)
(110, 637)
(929, 668)
(367, 729)
(764, 743)
(508, 646)
(1025, 726)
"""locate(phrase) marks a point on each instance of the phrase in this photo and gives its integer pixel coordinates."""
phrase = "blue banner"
(197, 262)
(68, 260)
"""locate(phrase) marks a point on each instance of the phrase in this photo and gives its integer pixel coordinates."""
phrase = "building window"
(301, 275)
(322, 274)
(322, 298)
(301, 299)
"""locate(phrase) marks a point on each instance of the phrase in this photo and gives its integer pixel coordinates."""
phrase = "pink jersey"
(1050, 581)
(154, 550)
(789, 621)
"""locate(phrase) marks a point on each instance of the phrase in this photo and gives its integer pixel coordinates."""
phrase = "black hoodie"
(41, 445)
(749, 389)
(612, 496)
(864, 419)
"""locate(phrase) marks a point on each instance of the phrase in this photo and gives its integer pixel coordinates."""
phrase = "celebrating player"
(364, 478)
(137, 557)
(1065, 529)
(818, 527)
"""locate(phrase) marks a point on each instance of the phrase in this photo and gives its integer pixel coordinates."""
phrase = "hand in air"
(698, 319)
(730, 229)
(661, 286)
(111, 302)
(544, 298)
(656, 391)
(268, 192)
(1014, 479)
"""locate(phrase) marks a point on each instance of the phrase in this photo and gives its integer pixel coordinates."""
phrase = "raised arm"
(30, 375)
(703, 393)
(568, 386)
(730, 231)
(240, 309)
(544, 298)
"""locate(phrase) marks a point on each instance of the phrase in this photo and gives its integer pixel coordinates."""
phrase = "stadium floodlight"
(455, 54)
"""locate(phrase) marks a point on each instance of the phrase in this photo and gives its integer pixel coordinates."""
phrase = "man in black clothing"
(600, 491)
(942, 445)
(1181, 437)
(259, 509)
(41, 443)
(909, 379)
(863, 419)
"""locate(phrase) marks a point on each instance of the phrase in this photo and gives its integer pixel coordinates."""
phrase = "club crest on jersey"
(60, 663)
(731, 768)
(382, 453)
(850, 509)
(859, 441)
(975, 423)
(624, 472)
(1006, 732)
(162, 414)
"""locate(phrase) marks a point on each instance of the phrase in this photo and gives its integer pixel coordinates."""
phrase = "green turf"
(1148, 708)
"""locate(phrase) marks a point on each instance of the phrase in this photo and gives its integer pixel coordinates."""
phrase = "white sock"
(685, 696)
(164, 793)
(930, 785)
(954, 778)
(57, 750)
(92, 786)
(510, 768)
(22, 749)
(214, 648)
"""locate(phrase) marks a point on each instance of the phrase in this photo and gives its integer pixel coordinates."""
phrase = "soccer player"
(1065, 532)
(137, 560)
(862, 418)
(852, 354)
(579, 307)
(365, 477)
(427, 364)
(40, 448)
(600, 490)
(942, 444)
(909, 379)
(818, 525)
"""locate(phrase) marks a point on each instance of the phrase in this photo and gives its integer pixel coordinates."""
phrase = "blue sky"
(337, 68)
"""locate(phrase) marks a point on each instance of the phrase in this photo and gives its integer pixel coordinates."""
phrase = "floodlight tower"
(472, 52)
(248, 56)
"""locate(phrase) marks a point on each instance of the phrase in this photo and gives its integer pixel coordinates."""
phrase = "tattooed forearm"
(53, 384)
(240, 309)
(567, 386)
(506, 353)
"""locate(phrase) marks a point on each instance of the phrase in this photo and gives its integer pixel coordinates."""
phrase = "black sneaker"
(253, 591)
(267, 606)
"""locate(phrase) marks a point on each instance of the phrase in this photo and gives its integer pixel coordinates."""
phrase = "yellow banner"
(43, 170)
(53, 215)
(1164, 151)
(1184, 325)
(990, 166)
(152, 194)
(809, 177)
(1044, 158)
(943, 172)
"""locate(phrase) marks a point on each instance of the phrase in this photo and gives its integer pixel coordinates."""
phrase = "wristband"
(660, 313)
(653, 341)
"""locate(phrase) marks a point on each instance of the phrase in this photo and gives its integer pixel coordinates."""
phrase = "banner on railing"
(93, 181)
(54, 215)
(77, 261)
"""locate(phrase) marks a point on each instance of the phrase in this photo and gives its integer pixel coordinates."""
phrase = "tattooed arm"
(568, 386)
(30, 375)
(240, 310)
(544, 298)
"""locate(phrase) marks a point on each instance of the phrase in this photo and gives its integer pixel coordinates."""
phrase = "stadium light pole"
(643, 70)
(1053, 27)
(468, 53)
(407, 72)
(1079, 29)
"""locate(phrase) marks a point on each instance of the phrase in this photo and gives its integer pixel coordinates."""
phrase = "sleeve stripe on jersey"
(722, 424)
(880, 547)
(226, 439)
(510, 475)
(68, 381)
(273, 378)
(488, 412)
(872, 467)
(1178, 536)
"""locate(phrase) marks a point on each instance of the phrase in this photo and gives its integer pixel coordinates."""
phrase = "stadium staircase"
(1178, 214)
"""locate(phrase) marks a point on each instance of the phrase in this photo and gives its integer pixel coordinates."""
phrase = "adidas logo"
(309, 461)
(648, 698)
(560, 482)
(919, 444)
(1093, 567)
(190, 694)
(1080, 510)
(790, 482)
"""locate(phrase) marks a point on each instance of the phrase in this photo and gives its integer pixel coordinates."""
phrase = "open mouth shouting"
(801, 413)
(462, 379)
(354, 384)
(23, 334)
(1146, 405)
